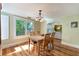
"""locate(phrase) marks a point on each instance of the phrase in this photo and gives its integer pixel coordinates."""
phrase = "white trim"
(76, 46)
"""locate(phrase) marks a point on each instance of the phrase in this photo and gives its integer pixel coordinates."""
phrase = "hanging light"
(39, 18)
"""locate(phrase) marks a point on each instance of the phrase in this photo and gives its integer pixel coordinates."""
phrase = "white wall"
(37, 26)
(54, 22)
(70, 36)
(43, 27)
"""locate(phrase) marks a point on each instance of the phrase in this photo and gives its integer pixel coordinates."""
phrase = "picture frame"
(58, 28)
(74, 24)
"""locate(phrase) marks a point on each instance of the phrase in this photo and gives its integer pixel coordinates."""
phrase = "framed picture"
(58, 28)
(74, 24)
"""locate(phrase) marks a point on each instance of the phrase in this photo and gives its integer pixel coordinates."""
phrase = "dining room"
(39, 29)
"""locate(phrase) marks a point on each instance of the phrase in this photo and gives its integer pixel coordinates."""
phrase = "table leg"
(38, 49)
(29, 46)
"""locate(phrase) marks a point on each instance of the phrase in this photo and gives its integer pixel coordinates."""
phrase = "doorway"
(58, 34)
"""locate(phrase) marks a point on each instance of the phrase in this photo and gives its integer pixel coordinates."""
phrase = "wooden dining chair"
(47, 42)
(43, 44)
(40, 46)
(52, 41)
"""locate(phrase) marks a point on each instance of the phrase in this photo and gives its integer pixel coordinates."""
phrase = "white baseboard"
(75, 46)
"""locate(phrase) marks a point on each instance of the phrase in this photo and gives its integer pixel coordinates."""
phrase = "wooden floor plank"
(59, 50)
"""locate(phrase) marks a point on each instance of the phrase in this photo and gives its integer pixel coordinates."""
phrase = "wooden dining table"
(35, 39)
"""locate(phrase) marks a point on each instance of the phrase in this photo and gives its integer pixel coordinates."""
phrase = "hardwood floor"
(59, 50)
(0, 52)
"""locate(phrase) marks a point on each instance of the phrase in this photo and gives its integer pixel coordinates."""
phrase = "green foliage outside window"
(20, 27)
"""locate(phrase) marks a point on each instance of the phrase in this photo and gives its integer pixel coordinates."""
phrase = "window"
(49, 28)
(4, 27)
(20, 27)
(29, 26)
(23, 26)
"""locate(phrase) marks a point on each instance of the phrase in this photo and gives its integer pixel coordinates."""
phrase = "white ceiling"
(49, 10)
